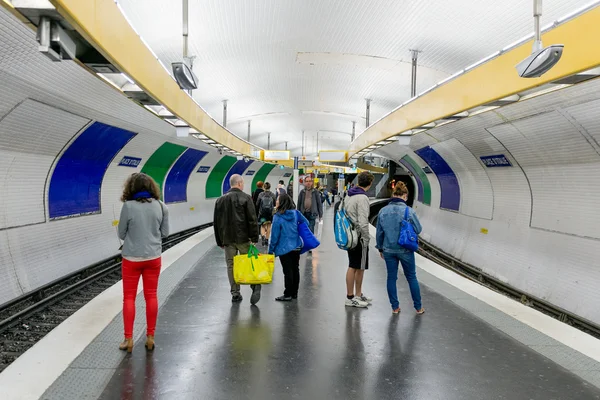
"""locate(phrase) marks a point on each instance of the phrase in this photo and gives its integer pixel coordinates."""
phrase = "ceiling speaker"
(184, 76)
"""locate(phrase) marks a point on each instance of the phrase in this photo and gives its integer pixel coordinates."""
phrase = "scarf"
(142, 195)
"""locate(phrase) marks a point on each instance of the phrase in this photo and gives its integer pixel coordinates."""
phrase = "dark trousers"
(291, 271)
(312, 219)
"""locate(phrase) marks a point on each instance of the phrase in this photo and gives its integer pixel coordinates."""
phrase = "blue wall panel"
(177, 179)
(77, 178)
(449, 186)
(417, 178)
(238, 168)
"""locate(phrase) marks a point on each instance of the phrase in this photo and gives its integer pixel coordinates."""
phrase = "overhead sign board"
(333, 155)
(132, 162)
(276, 155)
(204, 169)
(498, 160)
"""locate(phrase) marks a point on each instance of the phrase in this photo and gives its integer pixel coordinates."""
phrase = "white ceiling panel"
(310, 64)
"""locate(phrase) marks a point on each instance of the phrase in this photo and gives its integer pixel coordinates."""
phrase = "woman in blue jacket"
(388, 232)
(286, 244)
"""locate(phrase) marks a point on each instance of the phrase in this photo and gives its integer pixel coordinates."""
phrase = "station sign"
(204, 169)
(498, 160)
(287, 174)
(333, 155)
(132, 162)
(276, 155)
(305, 163)
(250, 172)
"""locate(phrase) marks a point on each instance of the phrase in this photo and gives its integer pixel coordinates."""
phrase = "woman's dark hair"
(139, 182)
(285, 203)
(400, 189)
(267, 186)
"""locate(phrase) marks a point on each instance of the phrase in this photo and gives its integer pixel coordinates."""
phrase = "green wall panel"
(161, 160)
(423, 177)
(262, 174)
(214, 183)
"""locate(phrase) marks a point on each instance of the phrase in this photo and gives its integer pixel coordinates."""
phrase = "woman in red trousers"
(144, 222)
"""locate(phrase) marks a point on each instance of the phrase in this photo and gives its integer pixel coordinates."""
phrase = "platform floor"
(315, 348)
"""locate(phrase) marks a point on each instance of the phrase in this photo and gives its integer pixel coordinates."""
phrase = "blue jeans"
(311, 221)
(408, 266)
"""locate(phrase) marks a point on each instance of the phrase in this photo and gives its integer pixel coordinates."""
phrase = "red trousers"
(131, 272)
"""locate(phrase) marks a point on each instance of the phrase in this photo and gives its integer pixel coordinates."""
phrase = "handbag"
(253, 268)
(309, 240)
(408, 237)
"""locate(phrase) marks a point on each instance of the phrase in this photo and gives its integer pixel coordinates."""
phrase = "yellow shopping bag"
(253, 268)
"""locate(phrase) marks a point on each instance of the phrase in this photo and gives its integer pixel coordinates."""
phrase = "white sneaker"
(356, 302)
(366, 299)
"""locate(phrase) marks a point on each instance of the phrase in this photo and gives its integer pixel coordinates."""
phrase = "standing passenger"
(143, 223)
(357, 207)
(236, 228)
(286, 244)
(388, 231)
(309, 203)
(257, 192)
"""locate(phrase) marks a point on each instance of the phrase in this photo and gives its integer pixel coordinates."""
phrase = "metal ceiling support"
(248, 138)
(269, 141)
(185, 32)
(224, 113)
(353, 131)
(317, 142)
(368, 113)
(302, 143)
(413, 76)
(537, 13)
(286, 144)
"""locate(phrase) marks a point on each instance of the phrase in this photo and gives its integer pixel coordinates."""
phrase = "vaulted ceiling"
(294, 65)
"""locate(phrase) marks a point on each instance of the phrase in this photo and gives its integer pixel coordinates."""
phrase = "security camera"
(540, 61)
(246, 159)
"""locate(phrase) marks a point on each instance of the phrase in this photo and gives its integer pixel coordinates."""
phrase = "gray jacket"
(358, 207)
(316, 206)
(142, 227)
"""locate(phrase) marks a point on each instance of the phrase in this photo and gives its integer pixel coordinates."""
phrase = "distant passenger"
(357, 206)
(257, 192)
(310, 204)
(236, 227)
(286, 244)
(281, 188)
(388, 232)
(143, 223)
(265, 204)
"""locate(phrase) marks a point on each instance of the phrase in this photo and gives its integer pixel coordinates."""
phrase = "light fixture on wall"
(185, 77)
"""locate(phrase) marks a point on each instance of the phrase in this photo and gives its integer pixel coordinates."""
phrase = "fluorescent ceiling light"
(108, 80)
(484, 110)
(128, 78)
(545, 91)
(209, 141)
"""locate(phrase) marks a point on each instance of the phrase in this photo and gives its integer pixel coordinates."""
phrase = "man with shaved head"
(236, 227)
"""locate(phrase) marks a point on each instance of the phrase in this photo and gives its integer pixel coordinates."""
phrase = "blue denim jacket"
(388, 226)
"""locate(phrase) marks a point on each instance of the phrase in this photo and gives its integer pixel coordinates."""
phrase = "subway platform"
(315, 347)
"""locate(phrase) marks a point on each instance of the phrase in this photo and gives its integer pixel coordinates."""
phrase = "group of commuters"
(144, 221)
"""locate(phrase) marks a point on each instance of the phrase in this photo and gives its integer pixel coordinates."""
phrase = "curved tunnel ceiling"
(294, 58)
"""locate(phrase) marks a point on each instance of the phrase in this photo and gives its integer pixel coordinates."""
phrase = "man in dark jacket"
(309, 203)
(236, 227)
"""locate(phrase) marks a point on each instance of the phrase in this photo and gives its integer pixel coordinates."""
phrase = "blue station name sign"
(132, 162)
(498, 160)
(204, 169)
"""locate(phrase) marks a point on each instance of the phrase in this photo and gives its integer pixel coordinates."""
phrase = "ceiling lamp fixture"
(541, 60)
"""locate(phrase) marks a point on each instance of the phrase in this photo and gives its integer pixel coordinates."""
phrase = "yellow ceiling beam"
(493, 80)
(103, 25)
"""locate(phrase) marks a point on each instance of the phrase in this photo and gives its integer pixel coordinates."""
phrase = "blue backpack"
(408, 237)
(346, 235)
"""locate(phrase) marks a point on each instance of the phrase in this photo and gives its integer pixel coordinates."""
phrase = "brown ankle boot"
(150, 342)
(127, 344)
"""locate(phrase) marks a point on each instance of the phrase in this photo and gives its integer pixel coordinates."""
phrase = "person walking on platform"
(236, 227)
(265, 204)
(309, 203)
(143, 223)
(286, 244)
(388, 231)
(256, 193)
(357, 207)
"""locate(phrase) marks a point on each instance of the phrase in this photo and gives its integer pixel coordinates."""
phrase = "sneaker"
(396, 311)
(356, 302)
(421, 311)
(366, 299)
(255, 295)
(236, 298)
(283, 298)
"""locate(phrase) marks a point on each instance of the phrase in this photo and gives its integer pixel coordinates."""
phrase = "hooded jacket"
(388, 226)
(358, 207)
(284, 232)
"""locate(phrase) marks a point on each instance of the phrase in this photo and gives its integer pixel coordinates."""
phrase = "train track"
(475, 274)
(27, 319)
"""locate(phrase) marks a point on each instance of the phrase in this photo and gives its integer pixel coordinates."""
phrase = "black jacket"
(317, 205)
(235, 219)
